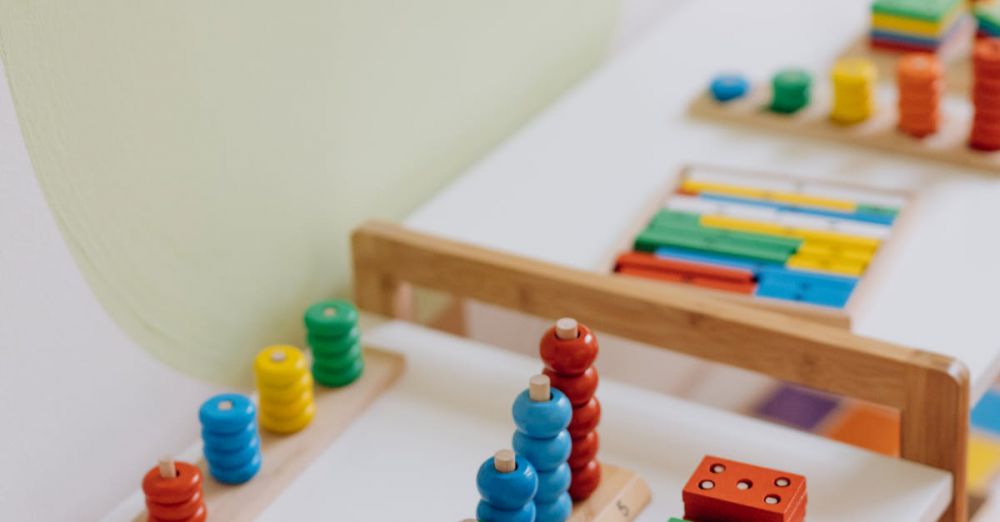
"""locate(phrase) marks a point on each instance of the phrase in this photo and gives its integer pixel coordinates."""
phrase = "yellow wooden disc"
(288, 425)
(279, 365)
(285, 410)
(287, 392)
(854, 70)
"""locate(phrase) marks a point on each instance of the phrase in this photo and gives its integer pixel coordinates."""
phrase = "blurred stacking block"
(569, 350)
(791, 89)
(286, 389)
(229, 433)
(919, 80)
(987, 15)
(173, 493)
(542, 415)
(507, 484)
(729, 86)
(853, 90)
(916, 25)
(335, 340)
(985, 134)
(764, 236)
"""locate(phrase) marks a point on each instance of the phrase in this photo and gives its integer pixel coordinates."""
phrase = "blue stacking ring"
(507, 490)
(234, 419)
(490, 513)
(542, 419)
(725, 87)
(236, 475)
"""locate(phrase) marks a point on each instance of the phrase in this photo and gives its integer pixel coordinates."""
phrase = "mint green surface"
(927, 10)
(206, 160)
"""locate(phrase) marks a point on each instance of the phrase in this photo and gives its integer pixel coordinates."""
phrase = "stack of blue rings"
(231, 442)
(506, 496)
(542, 439)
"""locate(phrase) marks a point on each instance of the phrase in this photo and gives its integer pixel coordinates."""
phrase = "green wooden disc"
(336, 377)
(332, 318)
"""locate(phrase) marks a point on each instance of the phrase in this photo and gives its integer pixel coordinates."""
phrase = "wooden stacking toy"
(722, 489)
(569, 350)
(507, 483)
(173, 492)
(985, 133)
(919, 79)
(542, 415)
(286, 389)
(231, 441)
(335, 340)
(791, 90)
(853, 90)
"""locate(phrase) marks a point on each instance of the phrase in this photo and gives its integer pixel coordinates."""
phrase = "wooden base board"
(621, 496)
(949, 145)
(286, 456)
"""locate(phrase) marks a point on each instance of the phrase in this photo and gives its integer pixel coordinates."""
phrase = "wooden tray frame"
(930, 390)
(835, 317)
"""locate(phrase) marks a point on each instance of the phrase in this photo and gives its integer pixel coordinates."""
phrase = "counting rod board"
(285, 456)
(949, 145)
(621, 496)
(839, 317)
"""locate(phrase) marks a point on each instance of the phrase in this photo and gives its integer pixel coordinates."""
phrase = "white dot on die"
(771, 499)
(717, 468)
(706, 484)
(743, 484)
(782, 482)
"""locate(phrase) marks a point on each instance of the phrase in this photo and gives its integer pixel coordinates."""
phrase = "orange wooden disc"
(987, 51)
(585, 418)
(584, 450)
(585, 481)
(178, 511)
(578, 388)
(918, 67)
(172, 490)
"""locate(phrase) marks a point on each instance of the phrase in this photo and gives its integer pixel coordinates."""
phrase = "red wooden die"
(722, 490)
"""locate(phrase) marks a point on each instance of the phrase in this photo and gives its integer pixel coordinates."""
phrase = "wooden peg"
(329, 311)
(225, 405)
(540, 388)
(567, 328)
(168, 469)
(278, 356)
(504, 461)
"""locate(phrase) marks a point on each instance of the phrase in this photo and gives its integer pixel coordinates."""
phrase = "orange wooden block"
(652, 262)
(726, 490)
(867, 426)
(740, 287)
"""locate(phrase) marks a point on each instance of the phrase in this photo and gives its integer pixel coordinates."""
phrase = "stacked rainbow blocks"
(916, 25)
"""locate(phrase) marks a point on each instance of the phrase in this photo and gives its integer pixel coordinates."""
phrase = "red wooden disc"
(585, 418)
(584, 450)
(172, 490)
(578, 388)
(569, 356)
(585, 481)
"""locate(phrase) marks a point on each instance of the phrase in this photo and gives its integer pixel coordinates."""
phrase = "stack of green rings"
(335, 340)
(791, 90)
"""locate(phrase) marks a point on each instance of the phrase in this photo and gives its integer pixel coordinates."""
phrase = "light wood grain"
(286, 456)
(621, 496)
(932, 391)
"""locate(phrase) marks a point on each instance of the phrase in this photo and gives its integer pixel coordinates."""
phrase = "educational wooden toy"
(987, 15)
(925, 109)
(285, 387)
(722, 490)
(173, 492)
(231, 443)
(916, 25)
(930, 391)
(335, 340)
(798, 246)
(542, 415)
(507, 484)
(284, 457)
(569, 350)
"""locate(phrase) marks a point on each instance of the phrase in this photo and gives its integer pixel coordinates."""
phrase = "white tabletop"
(418, 448)
(567, 186)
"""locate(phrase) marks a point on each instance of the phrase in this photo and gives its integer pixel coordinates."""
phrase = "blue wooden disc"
(544, 454)
(237, 475)
(234, 458)
(217, 419)
(542, 419)
(486, 512)
(507, 490)
(229, 441)
(552, 484)
(725, 87)
(558, 511)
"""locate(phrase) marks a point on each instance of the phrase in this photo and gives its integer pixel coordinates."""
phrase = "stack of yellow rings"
(286, 389)
(853, 90)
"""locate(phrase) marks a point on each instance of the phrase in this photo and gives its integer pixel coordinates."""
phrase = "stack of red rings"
(985, 133)
(919, 79)
(569, 365)
(174, 499)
